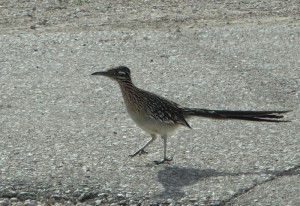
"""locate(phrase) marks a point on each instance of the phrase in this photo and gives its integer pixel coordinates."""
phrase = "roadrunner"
(157, 115)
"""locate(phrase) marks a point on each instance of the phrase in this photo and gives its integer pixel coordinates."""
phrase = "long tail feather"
(267, 116)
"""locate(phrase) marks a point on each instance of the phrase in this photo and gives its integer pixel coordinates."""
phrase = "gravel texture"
(65, 135)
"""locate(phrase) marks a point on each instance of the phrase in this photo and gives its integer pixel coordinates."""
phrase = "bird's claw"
(166, 159)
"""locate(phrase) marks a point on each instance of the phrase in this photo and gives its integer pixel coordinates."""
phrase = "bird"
(159, 116)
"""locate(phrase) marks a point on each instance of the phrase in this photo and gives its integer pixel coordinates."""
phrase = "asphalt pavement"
(65, 135)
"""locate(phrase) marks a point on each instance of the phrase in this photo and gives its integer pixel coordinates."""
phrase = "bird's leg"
(140, 152)
(165, 153)
(142, 149)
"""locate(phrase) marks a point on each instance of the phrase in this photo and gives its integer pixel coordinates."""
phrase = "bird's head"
(120, 73)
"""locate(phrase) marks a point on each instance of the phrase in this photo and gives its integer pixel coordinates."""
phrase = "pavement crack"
(274, 175)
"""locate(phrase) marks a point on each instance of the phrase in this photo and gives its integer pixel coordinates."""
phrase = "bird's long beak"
(102, 73)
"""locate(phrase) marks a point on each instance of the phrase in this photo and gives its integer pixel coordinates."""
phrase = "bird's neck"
(126, 84)
(127, 87)
(130, 94)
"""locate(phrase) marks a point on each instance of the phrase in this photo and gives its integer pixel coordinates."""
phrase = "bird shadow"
(174, 179)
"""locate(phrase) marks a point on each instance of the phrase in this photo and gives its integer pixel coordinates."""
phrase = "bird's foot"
(139, 152)
(166, 159)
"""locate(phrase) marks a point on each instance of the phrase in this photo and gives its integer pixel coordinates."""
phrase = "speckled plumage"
(159, 116)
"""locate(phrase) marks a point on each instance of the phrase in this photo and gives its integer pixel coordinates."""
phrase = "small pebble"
(30, 203)
(123, 202)
(193, 200)
(77, 193)
(69, 203)
(132, 202)
(120, 196)
(170, 200)
(51, 201)
(86, 196)
(98, 202)
(4, 202)
(102, 195)
(13, 199)
(129, 195)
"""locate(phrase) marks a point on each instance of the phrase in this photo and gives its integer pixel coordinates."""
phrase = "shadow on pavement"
(174, 179)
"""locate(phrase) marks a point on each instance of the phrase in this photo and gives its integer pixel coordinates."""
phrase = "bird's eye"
(122, 73)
